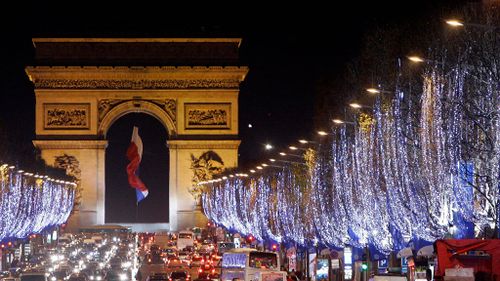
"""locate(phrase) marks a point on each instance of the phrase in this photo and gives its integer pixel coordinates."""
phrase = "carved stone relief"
(106, 105)
(204, 168)
(136, 84)
(207, 115)
(169, 105)
(72, 167)
(66, 116)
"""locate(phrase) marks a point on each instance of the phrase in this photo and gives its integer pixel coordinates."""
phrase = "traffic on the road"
(126, 256)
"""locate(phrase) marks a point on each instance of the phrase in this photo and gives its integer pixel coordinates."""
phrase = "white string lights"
(30, 203)
(422, 165)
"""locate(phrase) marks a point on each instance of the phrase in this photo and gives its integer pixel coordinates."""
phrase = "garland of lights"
(30, 203)
(423, 165)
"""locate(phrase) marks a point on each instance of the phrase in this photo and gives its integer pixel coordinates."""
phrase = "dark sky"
(288, 49)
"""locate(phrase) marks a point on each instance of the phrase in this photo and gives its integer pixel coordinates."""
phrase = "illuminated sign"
(232, 260)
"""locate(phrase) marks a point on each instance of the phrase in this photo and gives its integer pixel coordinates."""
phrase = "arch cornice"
(138, 106)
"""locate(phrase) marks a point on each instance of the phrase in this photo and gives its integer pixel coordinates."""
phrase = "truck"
(161, 239)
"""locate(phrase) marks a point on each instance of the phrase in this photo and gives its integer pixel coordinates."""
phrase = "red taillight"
(202, 261)
(213, 270)
(169, 278)
(200, 270)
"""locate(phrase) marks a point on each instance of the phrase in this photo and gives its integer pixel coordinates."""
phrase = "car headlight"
(91, 277)
(123, 276)
(53, 278)
(98, 278)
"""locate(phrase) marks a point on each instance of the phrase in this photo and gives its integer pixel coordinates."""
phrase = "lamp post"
(456, 23)
(340, 122)
(378, 91)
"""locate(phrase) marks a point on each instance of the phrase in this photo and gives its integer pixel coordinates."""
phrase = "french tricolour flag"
(134, 154)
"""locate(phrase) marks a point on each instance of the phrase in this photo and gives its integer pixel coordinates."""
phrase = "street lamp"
(454, 23)
(355, 105)
(358, 106)
(377, 91)
(322, 133)
(304, 141)
(459, 24)
(292, 147)
(290, 154)
(416, 59)
(268, 146)
(339, 122)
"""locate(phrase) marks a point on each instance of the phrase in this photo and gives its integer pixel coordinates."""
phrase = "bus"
(251, 265)
(185, 239)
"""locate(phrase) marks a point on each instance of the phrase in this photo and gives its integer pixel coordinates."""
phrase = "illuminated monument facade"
(191, 86)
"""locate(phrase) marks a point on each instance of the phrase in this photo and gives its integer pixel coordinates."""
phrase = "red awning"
(450, 255)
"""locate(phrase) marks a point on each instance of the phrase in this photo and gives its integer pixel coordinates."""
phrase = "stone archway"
(76, 105)
(112, 110)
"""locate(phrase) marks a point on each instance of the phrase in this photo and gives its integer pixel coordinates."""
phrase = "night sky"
(288, 51)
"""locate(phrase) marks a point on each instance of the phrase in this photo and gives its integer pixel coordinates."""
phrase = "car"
(197, 261)
(59, 274)
(174, 263)
(184, 256)
(9, 279)
(159, 276)
(179, 275)
(96, 275)
(206, 268)
(33, 276)
(116, 276)
(208, 277)
(77, 277)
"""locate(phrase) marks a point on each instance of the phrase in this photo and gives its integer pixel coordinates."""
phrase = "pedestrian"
(138, 276)
(372, 276)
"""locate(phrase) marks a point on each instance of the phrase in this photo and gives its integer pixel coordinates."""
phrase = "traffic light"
(364, 262)
(364, 266)
(275, 247)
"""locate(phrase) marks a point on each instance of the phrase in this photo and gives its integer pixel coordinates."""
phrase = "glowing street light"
(268, 146)
(377, 91)
(454, 23)
(272, 160)
(322, 133)
(416, 59)
(373, 91)
(282, 153)
(355, 105)
(293, 147)
(303, 141)
(252, 171)
(339, 122)
(259, 167)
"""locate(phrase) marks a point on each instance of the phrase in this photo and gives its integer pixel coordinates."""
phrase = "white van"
(185, 239)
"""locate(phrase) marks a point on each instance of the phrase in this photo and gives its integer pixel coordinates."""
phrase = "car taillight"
(170, 278)
(200, 270)
(213, 270)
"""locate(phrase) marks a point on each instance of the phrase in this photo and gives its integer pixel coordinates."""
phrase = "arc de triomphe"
(83, 85)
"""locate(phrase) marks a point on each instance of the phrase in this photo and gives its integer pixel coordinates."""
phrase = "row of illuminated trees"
(421, 163)
(31, 203)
